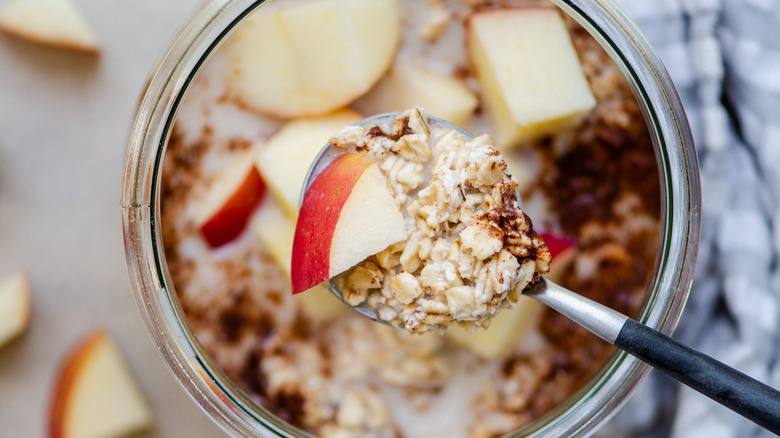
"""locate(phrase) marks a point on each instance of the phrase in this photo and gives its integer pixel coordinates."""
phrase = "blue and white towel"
(724, 57)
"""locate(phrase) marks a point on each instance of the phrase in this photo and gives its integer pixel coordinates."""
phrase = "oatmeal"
(470, 249)
(317, 365)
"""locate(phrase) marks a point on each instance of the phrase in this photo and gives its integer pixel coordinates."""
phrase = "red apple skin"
(73, 362)
(318, 217)
(562, 251)
(231, 218)
(557, 244)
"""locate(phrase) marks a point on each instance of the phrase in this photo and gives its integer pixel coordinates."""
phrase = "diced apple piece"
(521, 169)
(409, 85)
(347, 214)
(15, 306)
(558, 245)
(230, 201)
(56, 23)
(309, 58)
(562, 250)
(507, 329)
(528, 70)
(285, 158)
(319, 304)
(276, 231)
(96, 394)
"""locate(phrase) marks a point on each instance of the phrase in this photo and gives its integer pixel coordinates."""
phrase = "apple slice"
(562, 250)
(15, 306)
(276, 231)
(409, 85)
(558, 245)
(230, 201)
(309, 58)
(56, 23)
(285, 158)
(528, 70)
(96, 395)
(509, 328)
(347, 215)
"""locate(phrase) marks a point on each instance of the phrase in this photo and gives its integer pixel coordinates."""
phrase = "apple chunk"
(56, 23)
(528, 71)
(510, 328)
(276, 232)
(562, 250)
(347, 214)
(309, 58)
(409, 85)
(15, 306)
(96, 394)
(285, 158)
(230, 201)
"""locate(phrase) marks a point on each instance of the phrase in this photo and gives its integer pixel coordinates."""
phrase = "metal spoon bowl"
(727, 386)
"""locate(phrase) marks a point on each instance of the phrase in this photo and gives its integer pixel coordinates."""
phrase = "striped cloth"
(724, 57)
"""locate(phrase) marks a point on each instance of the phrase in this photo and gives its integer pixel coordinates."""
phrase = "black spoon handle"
(727, 386)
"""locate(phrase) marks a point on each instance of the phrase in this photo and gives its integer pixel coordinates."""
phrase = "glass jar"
(219, 398)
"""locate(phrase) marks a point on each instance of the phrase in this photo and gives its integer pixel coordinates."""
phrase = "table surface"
(64, 124)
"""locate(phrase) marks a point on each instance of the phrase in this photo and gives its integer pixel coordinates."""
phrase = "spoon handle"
(727, 386)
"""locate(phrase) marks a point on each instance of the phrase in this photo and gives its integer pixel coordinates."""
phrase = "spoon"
(748, 397)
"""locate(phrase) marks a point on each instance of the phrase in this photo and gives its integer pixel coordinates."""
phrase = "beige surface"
(64, 124)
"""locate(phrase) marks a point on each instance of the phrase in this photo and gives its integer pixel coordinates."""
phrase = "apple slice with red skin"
(96, 394)
(276, 231)
(562, 251)
(557, 244)
(230, 202)
(347, 215)
(284, 159)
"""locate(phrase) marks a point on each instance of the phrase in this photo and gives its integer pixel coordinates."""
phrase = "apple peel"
(347, 214)
(96, 394)
(230, 202)
(557, 244)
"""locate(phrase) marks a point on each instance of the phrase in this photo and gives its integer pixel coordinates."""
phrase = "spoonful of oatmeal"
(417, 224)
